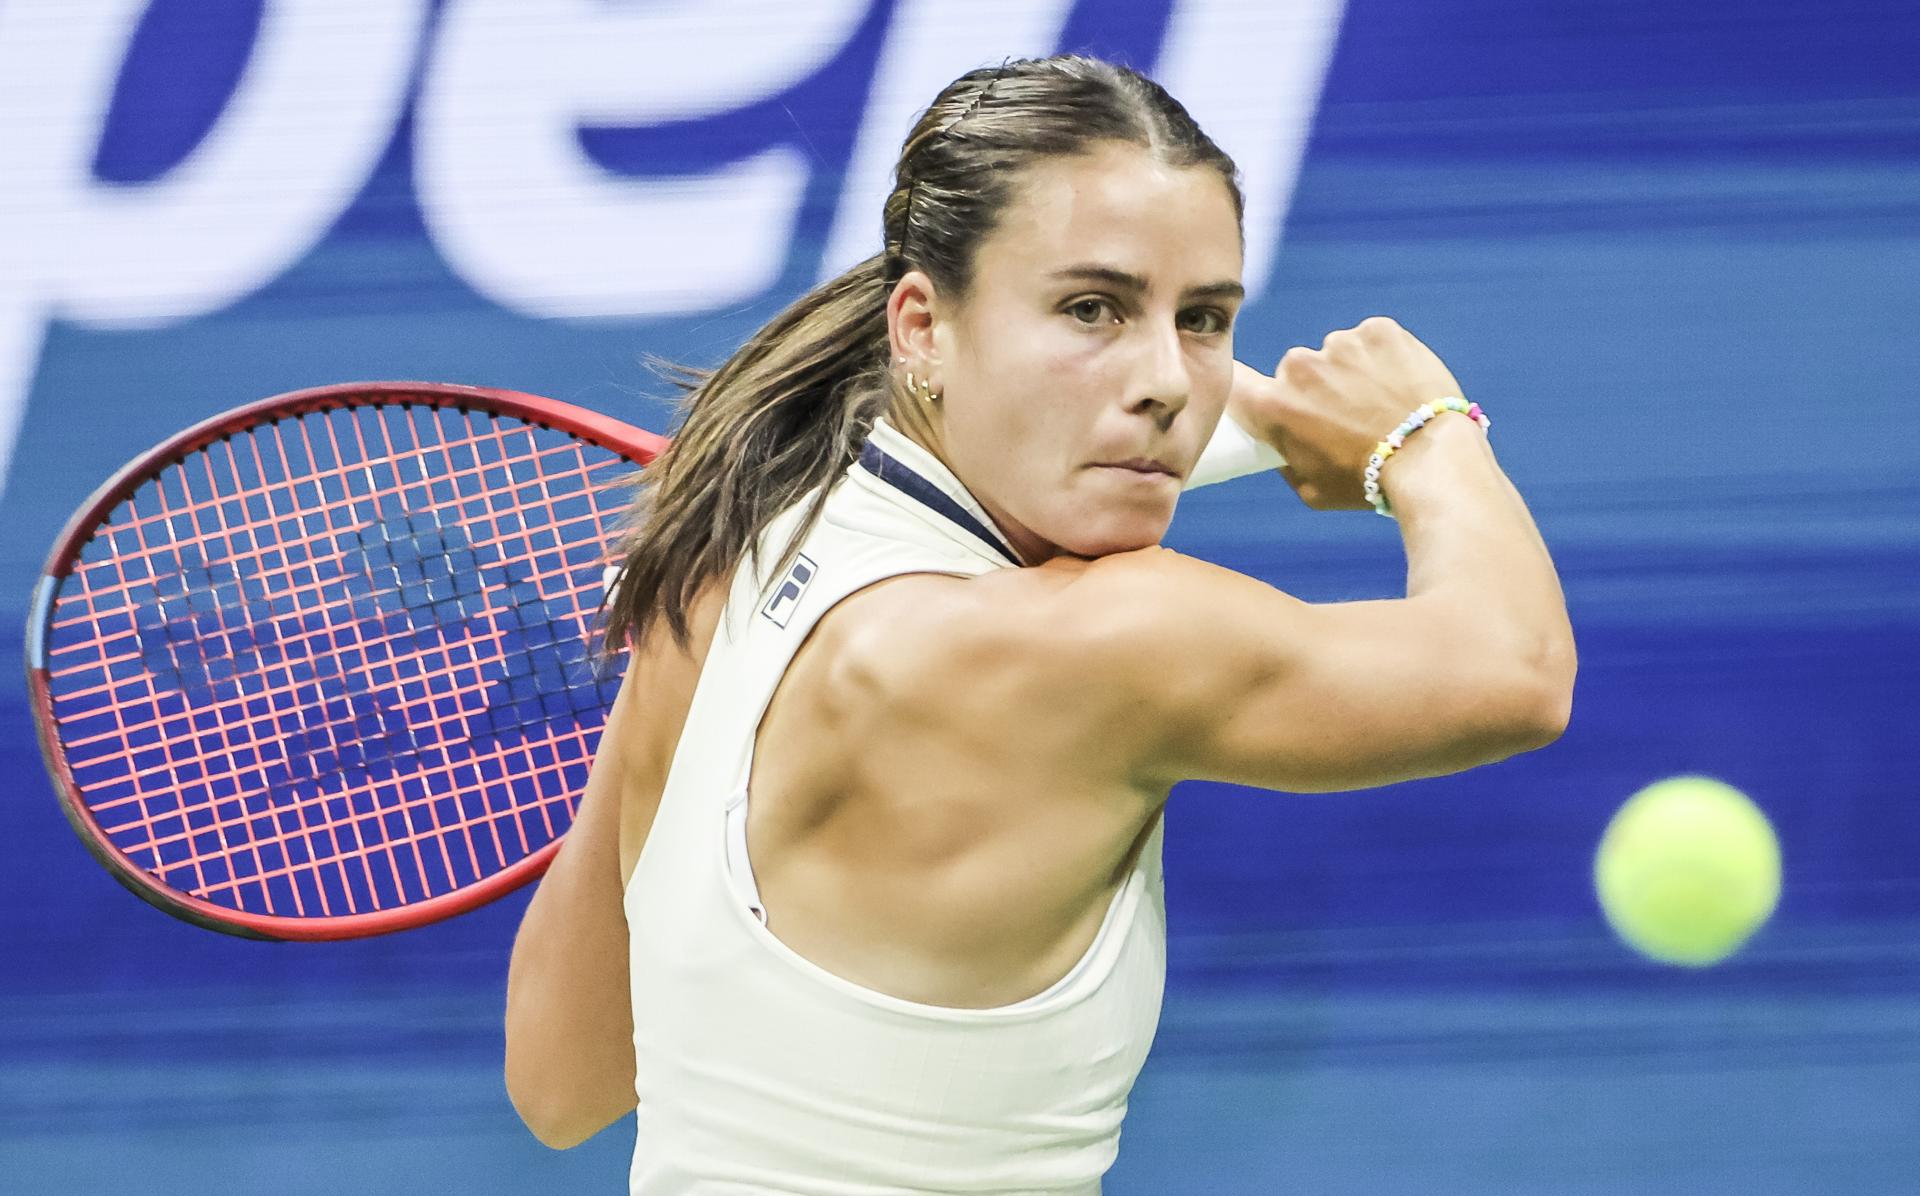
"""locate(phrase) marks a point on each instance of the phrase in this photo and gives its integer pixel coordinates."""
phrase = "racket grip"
(1232, 453)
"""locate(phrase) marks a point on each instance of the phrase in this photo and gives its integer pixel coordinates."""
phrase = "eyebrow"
(1225, 289)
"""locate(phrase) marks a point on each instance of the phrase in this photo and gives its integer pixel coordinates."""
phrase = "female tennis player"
(864, 894)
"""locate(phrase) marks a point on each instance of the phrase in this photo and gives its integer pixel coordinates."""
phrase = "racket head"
(320, 667)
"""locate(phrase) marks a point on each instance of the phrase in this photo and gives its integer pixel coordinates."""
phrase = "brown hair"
(788, 412)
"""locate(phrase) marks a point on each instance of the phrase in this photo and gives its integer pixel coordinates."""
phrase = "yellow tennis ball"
(1687, 870)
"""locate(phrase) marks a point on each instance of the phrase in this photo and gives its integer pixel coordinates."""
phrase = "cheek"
(1019, 341)
(1214, 379)
(1026, 372)
(1072, 373)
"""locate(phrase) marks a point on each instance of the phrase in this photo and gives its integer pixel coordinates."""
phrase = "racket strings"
(340, 662)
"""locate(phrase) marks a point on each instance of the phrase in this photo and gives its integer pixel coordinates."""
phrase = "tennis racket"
(321, 667)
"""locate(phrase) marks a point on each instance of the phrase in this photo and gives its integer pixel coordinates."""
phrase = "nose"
(1164, 382)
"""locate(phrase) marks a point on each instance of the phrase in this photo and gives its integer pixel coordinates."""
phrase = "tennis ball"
(1687, 870)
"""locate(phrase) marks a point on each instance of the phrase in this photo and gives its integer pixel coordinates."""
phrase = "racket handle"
(1232, 453)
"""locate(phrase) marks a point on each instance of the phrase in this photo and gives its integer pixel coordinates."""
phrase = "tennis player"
(864, 894)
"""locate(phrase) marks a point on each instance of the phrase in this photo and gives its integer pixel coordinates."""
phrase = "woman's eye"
(1210, 320)
(1087, 310)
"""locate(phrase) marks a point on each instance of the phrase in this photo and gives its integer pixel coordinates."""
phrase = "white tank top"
(759, 1071)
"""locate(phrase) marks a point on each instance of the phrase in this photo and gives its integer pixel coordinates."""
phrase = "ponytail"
(785, 414)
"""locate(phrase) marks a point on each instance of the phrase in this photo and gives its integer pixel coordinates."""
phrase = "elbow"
(1547, 719)
(535, 1098)
(1545, 706)
(568, 1074)
(533, 1111)
(549, 1126)
(561, 1138)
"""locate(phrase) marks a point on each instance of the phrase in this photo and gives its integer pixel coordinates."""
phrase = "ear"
(912, 311)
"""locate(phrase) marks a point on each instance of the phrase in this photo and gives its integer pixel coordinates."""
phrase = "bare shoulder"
(1150, 667)
(936, 631)
(926, 618)
(1020, 662)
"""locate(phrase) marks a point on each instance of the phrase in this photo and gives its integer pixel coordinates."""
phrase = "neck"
(913, 422)
(917, 425)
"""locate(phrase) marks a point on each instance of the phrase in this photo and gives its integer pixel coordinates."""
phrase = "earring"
(924, 388)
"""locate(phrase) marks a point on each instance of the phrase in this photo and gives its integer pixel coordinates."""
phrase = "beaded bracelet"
(1391, 445)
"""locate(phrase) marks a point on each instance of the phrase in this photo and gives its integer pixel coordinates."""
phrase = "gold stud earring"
(921, 388)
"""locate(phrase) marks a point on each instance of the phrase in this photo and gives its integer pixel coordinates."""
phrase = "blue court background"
(1674, 249)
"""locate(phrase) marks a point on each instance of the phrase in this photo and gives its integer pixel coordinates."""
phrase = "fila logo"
(792, 587)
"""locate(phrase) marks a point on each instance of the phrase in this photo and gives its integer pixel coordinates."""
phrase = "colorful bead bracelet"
(1391, 445)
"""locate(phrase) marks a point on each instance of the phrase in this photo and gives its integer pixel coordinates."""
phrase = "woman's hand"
(1325, 409)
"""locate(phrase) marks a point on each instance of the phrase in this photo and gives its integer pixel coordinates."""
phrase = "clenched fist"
(1324, 409)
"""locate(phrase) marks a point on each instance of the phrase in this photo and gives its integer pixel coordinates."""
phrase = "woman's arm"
(1474, 665)
(1153, 668)
(570, 1068)
(569, 1025)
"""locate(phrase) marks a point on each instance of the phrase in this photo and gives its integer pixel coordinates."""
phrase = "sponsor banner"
(568, 159)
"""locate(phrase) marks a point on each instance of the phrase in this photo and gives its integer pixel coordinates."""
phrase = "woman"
(910, 679)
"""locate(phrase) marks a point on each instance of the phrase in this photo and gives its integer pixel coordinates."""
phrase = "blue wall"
(1674, 250)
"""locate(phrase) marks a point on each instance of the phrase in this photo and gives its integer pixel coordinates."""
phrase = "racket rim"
(604, 431)
(93, 837)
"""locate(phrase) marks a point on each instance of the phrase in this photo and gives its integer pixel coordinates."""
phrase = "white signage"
(511, 200)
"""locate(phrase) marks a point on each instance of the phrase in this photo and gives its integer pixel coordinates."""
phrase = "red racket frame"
(636, 444)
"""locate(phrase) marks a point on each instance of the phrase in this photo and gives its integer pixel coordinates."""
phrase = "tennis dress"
(759, 1071)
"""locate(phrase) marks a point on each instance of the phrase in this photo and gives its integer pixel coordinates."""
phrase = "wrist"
(1427, 437)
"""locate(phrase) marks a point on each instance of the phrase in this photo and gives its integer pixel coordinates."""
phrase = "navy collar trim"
(901, 476)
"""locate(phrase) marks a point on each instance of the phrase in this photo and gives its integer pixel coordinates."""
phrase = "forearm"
(1474, 551)
(569, 1023)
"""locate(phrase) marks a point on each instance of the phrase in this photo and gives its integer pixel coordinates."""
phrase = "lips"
(1141, 465)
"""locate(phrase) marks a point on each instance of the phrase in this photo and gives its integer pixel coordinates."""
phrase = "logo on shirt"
(793, 586)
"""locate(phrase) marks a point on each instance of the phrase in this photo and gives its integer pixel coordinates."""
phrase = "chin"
(1116, 535)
